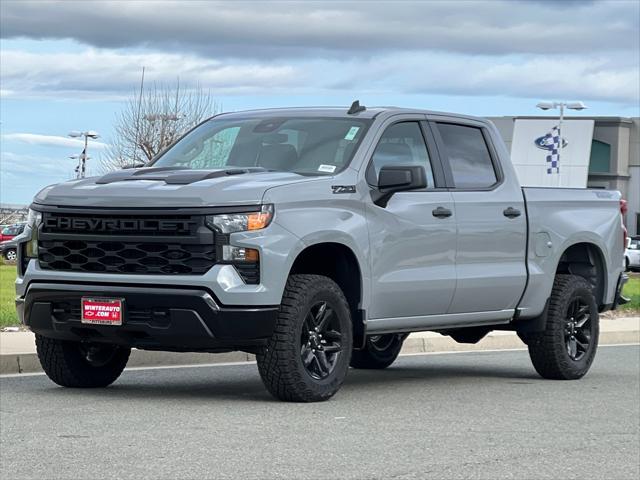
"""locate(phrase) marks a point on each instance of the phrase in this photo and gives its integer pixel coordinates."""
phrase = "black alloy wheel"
(321, 340)
(577, 334)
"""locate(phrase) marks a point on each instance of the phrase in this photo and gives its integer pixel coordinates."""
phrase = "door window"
(402, 144)
(468, 156)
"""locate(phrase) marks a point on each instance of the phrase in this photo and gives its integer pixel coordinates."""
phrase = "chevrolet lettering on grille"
(116, 224)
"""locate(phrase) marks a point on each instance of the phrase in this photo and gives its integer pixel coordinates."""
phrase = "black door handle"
(441, 212)
(511, 212)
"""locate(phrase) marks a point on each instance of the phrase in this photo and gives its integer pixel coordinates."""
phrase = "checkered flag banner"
(552, 139)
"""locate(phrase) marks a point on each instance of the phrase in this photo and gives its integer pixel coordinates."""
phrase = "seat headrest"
(280, 156)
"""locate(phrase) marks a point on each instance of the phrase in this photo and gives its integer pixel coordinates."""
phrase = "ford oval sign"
(546, 142)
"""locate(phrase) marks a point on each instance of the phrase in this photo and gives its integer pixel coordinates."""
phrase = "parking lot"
(478, 415)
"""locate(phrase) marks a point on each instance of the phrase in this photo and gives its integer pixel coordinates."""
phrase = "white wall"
(530, 161)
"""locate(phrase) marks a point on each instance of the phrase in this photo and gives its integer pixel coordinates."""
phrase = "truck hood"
(168, 187)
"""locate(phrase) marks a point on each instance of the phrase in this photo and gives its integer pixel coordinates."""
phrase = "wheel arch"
(586, 259)
(340, 263)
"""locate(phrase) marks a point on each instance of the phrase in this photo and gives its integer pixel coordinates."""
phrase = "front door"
(413, 238)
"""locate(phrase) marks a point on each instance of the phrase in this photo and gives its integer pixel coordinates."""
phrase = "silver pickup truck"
(317, 239)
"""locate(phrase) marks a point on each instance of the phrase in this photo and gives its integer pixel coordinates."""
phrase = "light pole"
(561, 106)
(79, 158)
(83, 156)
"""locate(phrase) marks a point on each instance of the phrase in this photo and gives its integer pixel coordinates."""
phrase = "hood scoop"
(172, 175)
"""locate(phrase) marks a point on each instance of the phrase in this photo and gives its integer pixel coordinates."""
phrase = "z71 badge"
(343, 188)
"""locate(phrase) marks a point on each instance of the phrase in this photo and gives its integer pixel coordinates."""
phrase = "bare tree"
(152, 120)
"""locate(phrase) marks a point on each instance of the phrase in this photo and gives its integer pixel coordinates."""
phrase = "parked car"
(317, 239)
(9, 250)
(632, 254)
(7, 233)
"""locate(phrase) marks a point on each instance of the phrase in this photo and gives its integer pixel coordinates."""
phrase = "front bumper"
(278, 249)
(155, 318)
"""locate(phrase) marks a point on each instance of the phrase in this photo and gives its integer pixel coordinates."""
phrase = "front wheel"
(307, 357)
(566, 348)
(81, 365)
(379, 351)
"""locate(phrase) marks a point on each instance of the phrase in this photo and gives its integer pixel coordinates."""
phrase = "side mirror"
(393, 179)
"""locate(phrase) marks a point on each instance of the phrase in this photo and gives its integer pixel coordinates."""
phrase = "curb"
(29, 363)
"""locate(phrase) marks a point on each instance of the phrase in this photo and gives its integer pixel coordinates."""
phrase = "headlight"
(33, 219)
(241, 222)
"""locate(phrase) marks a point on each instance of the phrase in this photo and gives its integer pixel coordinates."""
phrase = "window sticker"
(351, 134)
(327, 168)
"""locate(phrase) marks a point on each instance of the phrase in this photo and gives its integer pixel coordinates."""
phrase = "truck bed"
(559, 218)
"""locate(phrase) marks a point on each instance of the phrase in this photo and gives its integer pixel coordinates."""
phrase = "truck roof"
(370, 112)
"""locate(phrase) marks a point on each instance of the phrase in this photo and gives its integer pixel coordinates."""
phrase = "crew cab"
(318, 239)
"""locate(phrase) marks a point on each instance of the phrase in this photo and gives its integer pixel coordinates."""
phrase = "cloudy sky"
(69, 65)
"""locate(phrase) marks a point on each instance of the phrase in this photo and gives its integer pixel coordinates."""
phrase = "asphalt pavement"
(458, 415)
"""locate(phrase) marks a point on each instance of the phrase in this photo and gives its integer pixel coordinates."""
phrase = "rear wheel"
(379, 352)
(567, 347)
(81, 365)
(307, 357)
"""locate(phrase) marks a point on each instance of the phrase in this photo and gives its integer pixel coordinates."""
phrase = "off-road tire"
(280, 364)
(64, 362)
(547, 349)
(372, 357)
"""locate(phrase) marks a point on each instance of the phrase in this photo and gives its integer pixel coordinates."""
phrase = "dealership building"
(614, 161)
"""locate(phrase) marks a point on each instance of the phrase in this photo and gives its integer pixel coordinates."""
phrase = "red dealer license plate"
(102, 311)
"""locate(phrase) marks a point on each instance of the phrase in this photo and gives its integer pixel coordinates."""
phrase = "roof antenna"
(356, 108)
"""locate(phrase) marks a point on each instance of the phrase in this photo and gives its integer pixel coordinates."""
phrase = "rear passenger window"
(402, 144)
(468, 156)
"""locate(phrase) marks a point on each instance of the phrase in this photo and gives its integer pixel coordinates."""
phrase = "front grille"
(125, 257)
(147, 244)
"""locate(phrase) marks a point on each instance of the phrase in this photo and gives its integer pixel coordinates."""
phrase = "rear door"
(490, 218)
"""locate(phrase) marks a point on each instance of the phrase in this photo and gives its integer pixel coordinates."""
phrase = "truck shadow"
(242, 383)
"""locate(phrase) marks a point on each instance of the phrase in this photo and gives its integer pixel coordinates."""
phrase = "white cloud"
(107, 73)
(51, 140)
(589, 50)
(594, 78)
(261, 29)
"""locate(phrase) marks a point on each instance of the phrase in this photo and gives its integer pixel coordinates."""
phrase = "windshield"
(309, 146)
(13, 230)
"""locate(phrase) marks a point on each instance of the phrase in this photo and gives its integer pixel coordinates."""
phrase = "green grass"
(632, 291)
(8, 295)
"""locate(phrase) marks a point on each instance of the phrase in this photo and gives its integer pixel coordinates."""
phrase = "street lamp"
(83, 156)
(561, 106)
